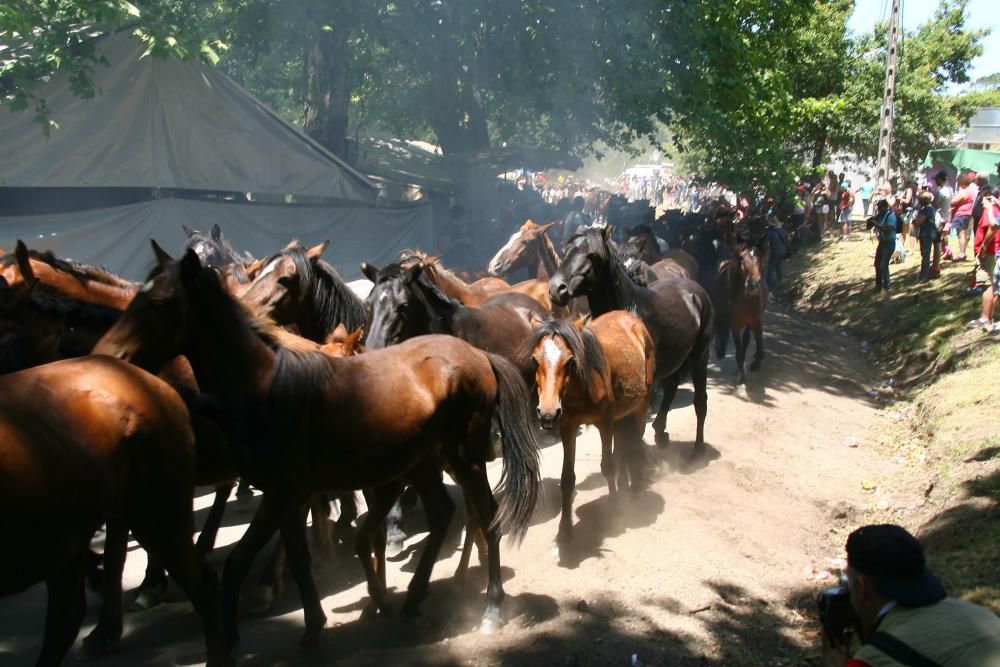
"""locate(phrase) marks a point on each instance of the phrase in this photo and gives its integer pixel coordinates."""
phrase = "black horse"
(677, 311)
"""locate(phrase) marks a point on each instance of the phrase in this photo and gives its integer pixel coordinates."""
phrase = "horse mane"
(78, 270)
(334, 302)
(583, 345)
(622, 283)
(551, 248)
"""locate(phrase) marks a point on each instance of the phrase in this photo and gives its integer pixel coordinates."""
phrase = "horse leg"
(668, 385)
(721, 338)
(153, 586)
(395, 535)
(609, 465)
(261, 528)
(108, 630)
(741, 353)
(567, 482)
(440, 508)
(348, 514)
(164, 527)
(271, 583)
(472, 535)
(699, 378)
(380, 500)
(206, 541)
(758, 350)
(67, 604)
(293, 535)
(629, 451)
(319, 506)
(472, 478)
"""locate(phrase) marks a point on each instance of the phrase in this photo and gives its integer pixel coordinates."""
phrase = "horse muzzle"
(549, 419)
(559, 293)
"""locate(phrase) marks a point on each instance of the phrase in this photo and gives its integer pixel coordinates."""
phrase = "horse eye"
(286, 281)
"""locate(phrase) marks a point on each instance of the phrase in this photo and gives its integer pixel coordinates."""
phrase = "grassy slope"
(940, 422)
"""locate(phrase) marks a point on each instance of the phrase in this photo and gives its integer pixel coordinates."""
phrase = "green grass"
(947, 376)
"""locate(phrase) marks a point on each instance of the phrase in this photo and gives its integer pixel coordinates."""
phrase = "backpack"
(978, 208)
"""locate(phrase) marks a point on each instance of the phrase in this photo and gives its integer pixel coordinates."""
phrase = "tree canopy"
(749, 92)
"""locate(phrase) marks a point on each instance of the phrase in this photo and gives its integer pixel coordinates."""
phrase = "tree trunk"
(818, 152)
(328, 95)
(457, 116)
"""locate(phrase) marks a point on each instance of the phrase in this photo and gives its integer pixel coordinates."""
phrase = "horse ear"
(162, 257)
(294, 243)
(533, 319)
(24, 263)
(187, 230)
(190, 266)
(413, 272)
(339, 333)
(581, 322)
(606, 232)
(314, 252)
(353, 341)
(254, 267)
(216, 232)
(369, 271)
(545, 228)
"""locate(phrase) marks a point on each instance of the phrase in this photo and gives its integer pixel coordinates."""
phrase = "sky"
(981, 13)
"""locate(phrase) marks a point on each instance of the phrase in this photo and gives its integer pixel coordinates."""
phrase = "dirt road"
(710, 566)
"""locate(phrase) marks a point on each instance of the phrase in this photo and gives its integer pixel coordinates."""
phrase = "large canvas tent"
(961, 160)
(170, 142)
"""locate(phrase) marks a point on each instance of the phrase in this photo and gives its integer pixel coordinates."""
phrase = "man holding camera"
(887, 225)
(903, 613)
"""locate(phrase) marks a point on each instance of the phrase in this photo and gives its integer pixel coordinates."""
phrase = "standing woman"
(906, 207)
(961, 212)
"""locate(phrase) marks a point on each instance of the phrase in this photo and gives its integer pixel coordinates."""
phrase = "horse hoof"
(261, 600)
(755, 366)
(491, 624)
(310, 640)
(697, 452)
(146, 598)
(741, 378)
(369, 612)
(410, 610)
(662, 438)
(393, 548)
(100, 642)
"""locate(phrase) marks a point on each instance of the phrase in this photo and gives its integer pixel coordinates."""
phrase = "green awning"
(964, 160)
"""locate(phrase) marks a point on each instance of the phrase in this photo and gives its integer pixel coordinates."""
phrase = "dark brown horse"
(740, 299)
(90, 441)
(405, 303)
(314, 423)
(600, 374)
(677, 312)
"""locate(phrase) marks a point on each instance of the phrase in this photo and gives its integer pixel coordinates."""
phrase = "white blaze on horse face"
(147, 286)
(552, 352)
(496, 258)
(270, 268)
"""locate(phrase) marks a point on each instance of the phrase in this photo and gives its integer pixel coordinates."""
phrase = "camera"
(837, 616)
(871, 223)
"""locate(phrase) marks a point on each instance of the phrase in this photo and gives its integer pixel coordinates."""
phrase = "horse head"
(395, 305)
(750, 263)
(587, 264)
(213, 249)
(157, 325)
(283, 283)
(517, 251)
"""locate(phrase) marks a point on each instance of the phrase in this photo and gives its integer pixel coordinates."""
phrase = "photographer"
(887, 225)
(903, 613)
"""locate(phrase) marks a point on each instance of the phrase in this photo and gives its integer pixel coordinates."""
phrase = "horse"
(740, 299)
(528, 248)
(405, 302)
(678, 313)
(643, 257)
(600, 374)
(295, 287)
(84, 442)
(311, 422)
(474, 294)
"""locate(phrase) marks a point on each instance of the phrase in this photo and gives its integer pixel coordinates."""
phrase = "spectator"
(961, 212)
(887, 224)
(905, 207)
(846, 206)
(987, 245)
(927, 233)
(777, 241)
(575, 219)
(942, 202)
(905, 614)
(866, 190)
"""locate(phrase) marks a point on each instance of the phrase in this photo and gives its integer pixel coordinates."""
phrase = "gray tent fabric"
(118, 238)
(167, 124)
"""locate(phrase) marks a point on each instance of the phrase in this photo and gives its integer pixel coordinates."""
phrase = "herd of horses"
(118, 398)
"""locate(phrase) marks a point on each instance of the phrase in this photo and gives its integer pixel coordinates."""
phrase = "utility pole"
(888, 101)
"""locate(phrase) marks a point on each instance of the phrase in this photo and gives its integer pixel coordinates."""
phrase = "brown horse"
(90, 441)
(528, 248)
(474, 294)
(315, 423)
(600, 374)
(405, 303)
(740, 300)
(677, 312)
(79, 281)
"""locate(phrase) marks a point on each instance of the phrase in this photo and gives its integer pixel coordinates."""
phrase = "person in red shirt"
(987, 244)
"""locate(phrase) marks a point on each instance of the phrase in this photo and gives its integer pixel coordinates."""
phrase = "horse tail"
(518, 487)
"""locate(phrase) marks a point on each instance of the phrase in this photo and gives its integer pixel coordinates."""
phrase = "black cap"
(895, 560)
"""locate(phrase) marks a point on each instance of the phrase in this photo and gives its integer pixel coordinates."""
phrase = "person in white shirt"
(943, 193)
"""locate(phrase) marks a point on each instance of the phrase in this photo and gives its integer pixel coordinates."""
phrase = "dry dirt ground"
(715, 565)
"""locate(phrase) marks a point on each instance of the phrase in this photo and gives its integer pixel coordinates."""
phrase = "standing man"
(926, 232)
(887, 225)
(846, 207)
(865, 190)
(942, 202)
